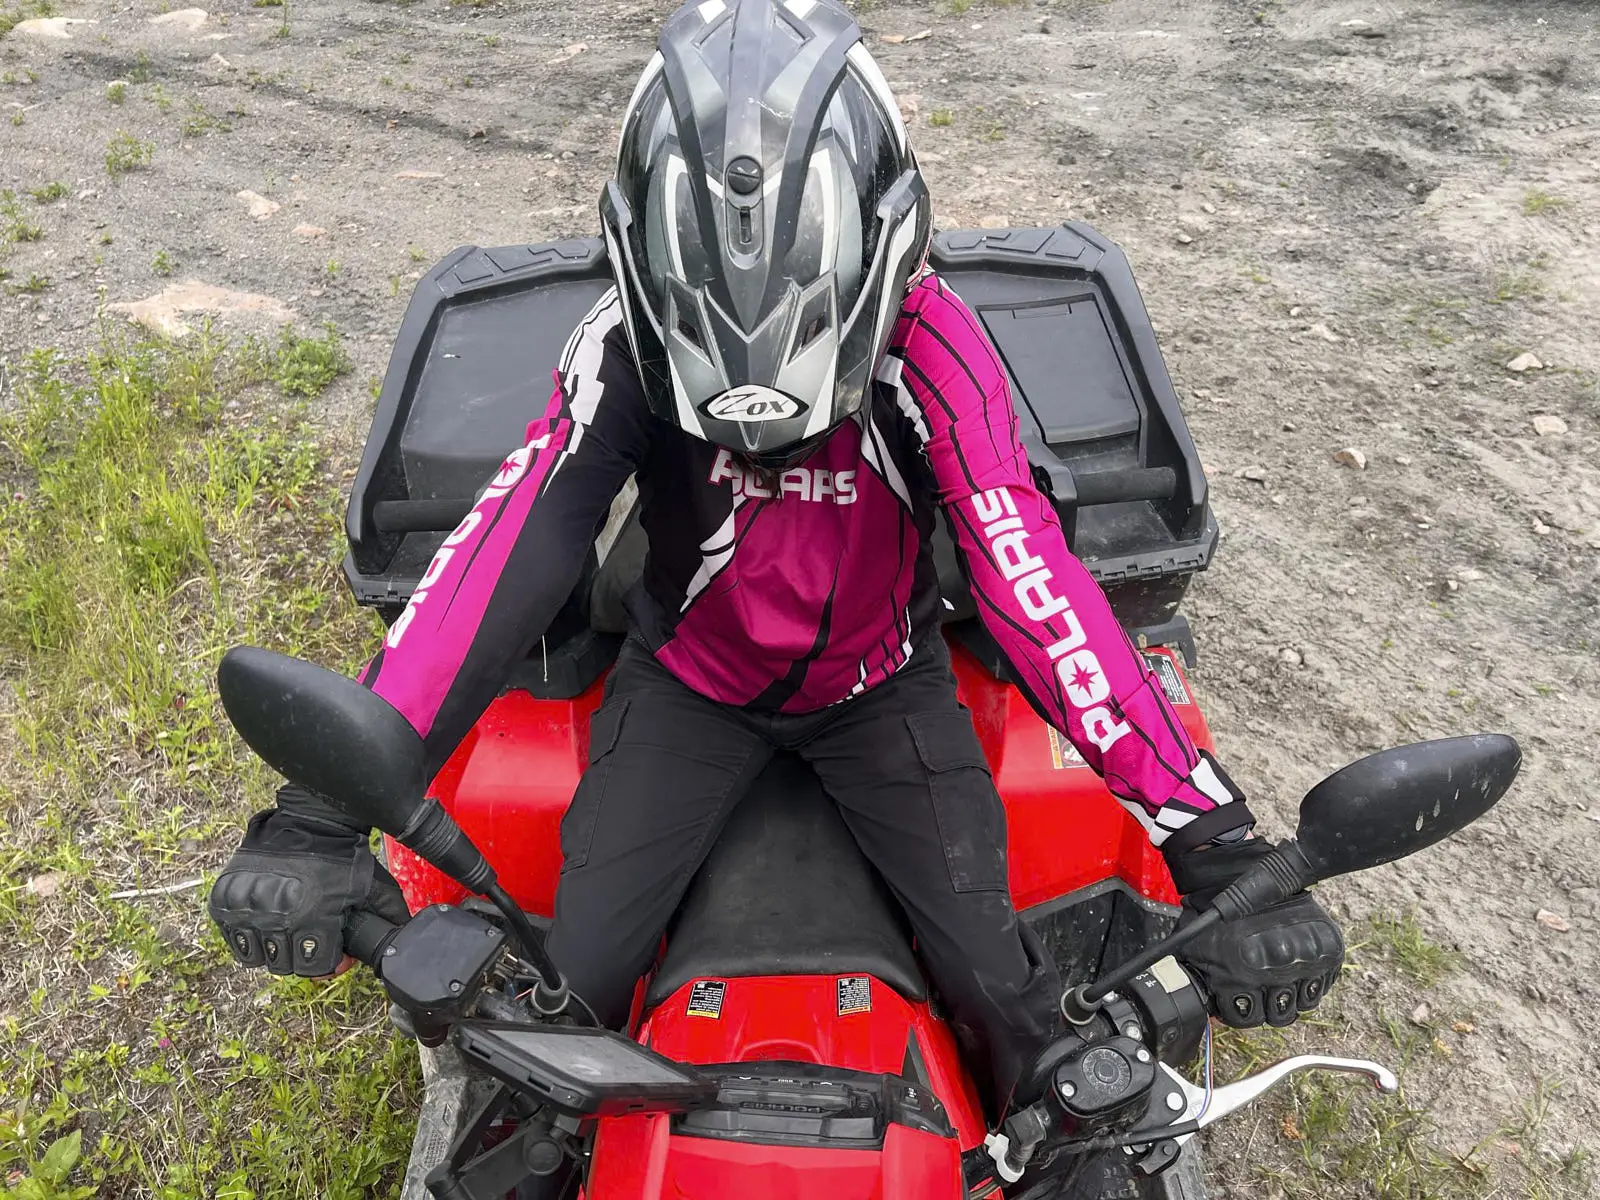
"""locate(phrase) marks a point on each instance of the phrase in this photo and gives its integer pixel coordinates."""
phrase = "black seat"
(785, 891)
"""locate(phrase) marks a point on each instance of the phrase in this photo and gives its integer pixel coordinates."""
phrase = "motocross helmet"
(766, 218)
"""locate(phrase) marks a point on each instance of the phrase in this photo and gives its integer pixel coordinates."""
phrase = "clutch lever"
(1188, 1102)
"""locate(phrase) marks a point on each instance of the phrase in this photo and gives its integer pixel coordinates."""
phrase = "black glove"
(1270, 966)
(302, 870)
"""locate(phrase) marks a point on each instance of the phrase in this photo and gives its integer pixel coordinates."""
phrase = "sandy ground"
(1346, 218)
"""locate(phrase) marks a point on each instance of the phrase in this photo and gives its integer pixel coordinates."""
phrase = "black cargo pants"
(903, 763)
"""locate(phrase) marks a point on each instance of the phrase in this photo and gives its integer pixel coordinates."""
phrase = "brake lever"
(1231, 1097)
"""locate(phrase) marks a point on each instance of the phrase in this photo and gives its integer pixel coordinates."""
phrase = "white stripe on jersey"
(716, 552)
(585, 350)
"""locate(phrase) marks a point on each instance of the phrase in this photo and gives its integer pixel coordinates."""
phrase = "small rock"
(1548, 425)
(1351, 457)
(182, 18)
(1421, 1013)
(1184, 239)
(477, 131)
(1323, 332)
(46, 885)
(1469, 575)
(1209, 207)
(1403, 460)
(1253, 474)
(1290, 657)
(309, 231)
(260, 207)
(1525, 362)
(570, 52)
(993, 221)
(1296, 311)
(50, 27)
(216, 60)
(419, 175)
(1553, 920)
(1464, 1027)
(910, 105)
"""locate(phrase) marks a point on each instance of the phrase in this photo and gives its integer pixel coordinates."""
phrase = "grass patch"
(163, 264)
(1536, 202)
(201, 121)
(306, 366)
(50, 192)
(160, 502)
(940, 118)
(1401, 941)
(125, 153)
(34, 284)
(117, 91)
(14, 223)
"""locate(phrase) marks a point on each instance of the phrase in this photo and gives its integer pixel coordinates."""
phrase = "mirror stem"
(550, 994)
(1277, 876)
(1081, 1002)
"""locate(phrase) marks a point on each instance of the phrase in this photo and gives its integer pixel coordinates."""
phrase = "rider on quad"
(797, 397)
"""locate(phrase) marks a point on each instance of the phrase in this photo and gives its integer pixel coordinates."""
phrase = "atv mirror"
(345, 742)
(1399, 801)
(328, 733)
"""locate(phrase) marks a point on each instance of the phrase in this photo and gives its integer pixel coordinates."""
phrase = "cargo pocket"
(972, 823)
(578, 825)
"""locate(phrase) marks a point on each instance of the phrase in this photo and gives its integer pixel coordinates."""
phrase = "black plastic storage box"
(1100, 421)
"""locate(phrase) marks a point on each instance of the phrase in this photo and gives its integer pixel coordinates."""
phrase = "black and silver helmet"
(765, 220)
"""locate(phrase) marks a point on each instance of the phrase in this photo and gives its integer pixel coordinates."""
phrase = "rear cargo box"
(473, 359)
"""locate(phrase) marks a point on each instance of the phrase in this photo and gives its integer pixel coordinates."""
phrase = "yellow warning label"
(705, 999)
(1063, 754)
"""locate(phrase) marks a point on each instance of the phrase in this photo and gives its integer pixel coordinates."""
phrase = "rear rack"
(1099, 417)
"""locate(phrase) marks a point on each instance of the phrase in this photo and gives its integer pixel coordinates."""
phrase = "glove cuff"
(1208, 826)
(308, 807)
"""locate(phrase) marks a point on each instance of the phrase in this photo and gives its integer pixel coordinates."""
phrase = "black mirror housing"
(328, 733)
(1396, 802)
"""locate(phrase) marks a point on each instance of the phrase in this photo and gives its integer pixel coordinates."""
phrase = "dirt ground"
(1347, 219)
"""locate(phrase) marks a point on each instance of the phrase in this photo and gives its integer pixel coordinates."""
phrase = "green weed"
(50, 192)
(1537, 202)
(1402, 940)
(306, 366)
(14, 224)
(116, 91)
(939, 118)
(35, 284)
(163, 264)
(125, 153)
(200, 121)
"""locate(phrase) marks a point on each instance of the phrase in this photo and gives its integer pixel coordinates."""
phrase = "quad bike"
(786, 1043)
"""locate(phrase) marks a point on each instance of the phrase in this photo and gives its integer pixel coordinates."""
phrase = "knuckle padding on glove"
(1270, 966)
(282, 900)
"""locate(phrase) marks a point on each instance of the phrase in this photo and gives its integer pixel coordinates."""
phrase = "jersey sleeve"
(1048, 616)
(502, 575)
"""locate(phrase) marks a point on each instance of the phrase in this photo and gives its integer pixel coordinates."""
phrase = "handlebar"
(367, 937)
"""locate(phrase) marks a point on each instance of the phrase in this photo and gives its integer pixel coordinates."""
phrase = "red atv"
(786, 1044)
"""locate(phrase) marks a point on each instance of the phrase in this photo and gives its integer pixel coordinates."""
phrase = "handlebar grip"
(367, 936)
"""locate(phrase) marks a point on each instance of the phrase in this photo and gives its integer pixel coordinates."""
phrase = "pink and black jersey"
(797, 590)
